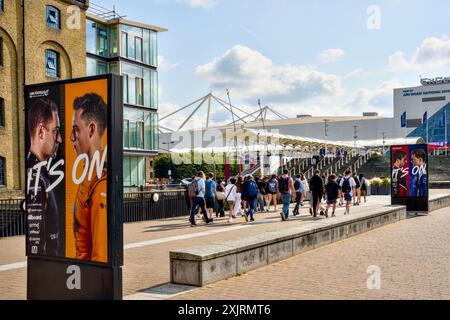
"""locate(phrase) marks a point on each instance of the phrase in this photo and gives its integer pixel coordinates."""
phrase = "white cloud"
(353, 73)
(379, 100)
(433, 53)
(331, 55)
(250, 75)
(165, 65)
(205, 4)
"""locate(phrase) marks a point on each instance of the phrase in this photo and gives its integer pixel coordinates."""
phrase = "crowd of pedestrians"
(244, 196)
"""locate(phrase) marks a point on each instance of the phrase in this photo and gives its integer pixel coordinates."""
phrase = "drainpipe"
(22, 159)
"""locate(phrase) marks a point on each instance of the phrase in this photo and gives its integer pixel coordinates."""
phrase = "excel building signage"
(409, 168)
(74, 240)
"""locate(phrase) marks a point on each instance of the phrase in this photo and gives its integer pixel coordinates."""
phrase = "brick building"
(48, 38)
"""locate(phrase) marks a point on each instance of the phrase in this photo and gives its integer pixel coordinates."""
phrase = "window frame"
(57, 63)
(53, 25)
(2, 171)
(2, 112)
(1, 52)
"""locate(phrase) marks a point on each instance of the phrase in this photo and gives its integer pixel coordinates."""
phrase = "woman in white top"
(238, 204)
(306, 194)
(230, 193)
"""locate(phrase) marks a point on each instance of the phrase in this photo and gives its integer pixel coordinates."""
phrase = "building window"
(51, 63)
(2, 171)
(126, 134)
(1, 6)
(53, 17)
(102, 41)
(140, 91)
(2, 112)
(138, 45)
(1, 51)
(124, 44)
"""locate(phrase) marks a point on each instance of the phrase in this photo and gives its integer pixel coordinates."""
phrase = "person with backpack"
(210, 193)
(332, 191)
(250, 193)
(261, 192)
(196, 189)
(230, 197)
(357, 191)
(220, 201)
(363, 182)
(272, 189)
(299, 191)
(316, 187)
(347, 184)
(286, 188)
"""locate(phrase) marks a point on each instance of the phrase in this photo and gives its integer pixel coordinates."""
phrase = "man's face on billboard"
(417, 161)
(52, 137)
(399, 163)
(80, 133)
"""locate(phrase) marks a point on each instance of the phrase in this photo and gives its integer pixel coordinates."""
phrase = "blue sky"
(316, 57)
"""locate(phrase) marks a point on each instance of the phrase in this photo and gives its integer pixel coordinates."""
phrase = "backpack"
(272, 186)
(193, 188)
(346, 186)
(252, 191)
(284, 185)
(297, 185)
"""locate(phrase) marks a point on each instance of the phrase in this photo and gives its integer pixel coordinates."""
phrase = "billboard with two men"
(409, 167)
(70, 171)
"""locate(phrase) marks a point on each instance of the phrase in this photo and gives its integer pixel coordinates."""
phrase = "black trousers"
(316, 198)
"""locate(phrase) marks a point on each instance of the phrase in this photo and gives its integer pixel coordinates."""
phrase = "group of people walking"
(244, 196)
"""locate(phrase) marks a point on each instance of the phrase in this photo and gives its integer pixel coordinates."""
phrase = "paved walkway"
(412, 255)
(147, 247)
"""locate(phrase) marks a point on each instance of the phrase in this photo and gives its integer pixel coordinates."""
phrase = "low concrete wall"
(202, 265)
(439, 202)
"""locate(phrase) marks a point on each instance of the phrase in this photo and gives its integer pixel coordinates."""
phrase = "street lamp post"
(355, 134)
(384, 142)
(326, 121)
(170, 157)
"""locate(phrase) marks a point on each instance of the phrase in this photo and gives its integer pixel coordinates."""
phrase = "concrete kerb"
(202, 265)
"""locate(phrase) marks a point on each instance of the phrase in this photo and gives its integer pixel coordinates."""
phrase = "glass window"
(2, 171)
(140, 135)
(102, 67)
(146, 46)
(102, 38)
(154, 90)
(131, 49)
(138, 48)
(154, 49)
(91, 34)
(126, 171)
(2, 112)
(131, 90)
(134, 171)
(114, 68)
(126, 135)
(124, 44)
(113, 41)
(51, 63)
(53, 17)
(133, 134)
(125, 88)
(139, 91)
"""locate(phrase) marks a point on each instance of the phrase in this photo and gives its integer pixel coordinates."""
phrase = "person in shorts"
(210, 194)
(332, 191)
(273, 190)
(348, 186)
(230, 198)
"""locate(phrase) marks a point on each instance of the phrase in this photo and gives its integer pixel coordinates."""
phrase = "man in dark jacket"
(316, 187)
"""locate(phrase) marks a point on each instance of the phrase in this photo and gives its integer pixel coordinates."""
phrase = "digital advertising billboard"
(409, 177)
(72, 129)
